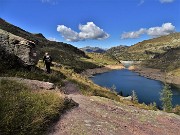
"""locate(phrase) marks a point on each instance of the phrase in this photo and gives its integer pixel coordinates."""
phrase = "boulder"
(15, 48)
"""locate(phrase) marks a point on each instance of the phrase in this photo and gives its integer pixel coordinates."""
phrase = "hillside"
(168, 61)
(63, 53)
(157, 45)
(159, 53)
(118, 52)
(147, 49)
(162, 53)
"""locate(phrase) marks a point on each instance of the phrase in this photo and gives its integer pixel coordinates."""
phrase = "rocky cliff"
(17, 51)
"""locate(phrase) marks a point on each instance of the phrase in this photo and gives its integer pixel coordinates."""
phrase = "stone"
(13, 47)
(127, 98)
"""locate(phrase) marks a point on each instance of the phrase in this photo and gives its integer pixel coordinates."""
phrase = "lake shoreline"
(156, 74)
(90, 72)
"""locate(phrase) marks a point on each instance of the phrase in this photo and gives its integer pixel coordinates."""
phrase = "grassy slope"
(23, 112)
(101, 59)
(148, 48)
(159, 45)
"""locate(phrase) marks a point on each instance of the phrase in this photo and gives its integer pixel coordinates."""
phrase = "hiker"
(47, 60)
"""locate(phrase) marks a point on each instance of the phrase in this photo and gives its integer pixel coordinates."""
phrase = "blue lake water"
(147, 90)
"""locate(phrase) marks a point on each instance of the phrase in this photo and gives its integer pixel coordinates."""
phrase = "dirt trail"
(101, 116)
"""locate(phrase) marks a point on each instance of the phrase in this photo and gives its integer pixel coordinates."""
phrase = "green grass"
(23, 112)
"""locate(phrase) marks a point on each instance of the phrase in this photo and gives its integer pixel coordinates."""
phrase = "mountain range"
(89, 49)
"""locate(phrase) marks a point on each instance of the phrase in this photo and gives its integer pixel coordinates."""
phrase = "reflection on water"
(147, 90)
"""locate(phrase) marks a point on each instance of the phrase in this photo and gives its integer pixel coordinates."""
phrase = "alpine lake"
(147, 90)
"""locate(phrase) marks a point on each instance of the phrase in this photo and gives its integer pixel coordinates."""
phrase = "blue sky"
(102, 23)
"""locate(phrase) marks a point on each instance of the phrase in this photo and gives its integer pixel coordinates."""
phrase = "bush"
(176, 110)
(23, 112)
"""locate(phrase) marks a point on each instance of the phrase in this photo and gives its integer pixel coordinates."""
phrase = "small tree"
(113, 88)
(153, 106)
(166, 98)
(134, 97)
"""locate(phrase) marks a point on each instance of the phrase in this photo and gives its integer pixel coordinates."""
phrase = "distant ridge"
(117, 49)
(93, 49)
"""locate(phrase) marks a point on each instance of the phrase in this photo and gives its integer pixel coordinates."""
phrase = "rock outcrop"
(14, 48)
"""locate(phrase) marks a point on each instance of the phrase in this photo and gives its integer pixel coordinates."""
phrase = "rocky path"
(101, 116)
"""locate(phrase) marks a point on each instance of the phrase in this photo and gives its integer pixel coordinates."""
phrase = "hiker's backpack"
(48, 59)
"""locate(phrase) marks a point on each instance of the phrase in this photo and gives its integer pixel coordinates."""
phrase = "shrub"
(176, 110)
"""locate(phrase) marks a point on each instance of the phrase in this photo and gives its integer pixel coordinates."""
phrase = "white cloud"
(68, 33)
(87, 31)
(91, 31)
(165, 29)
(53, 39)
(133, 34)
(166, 1)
